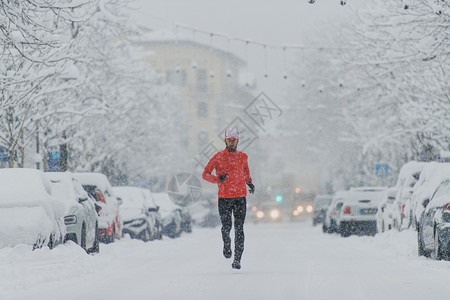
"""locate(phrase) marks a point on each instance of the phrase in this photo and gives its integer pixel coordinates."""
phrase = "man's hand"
(251, 186)
(222, 177)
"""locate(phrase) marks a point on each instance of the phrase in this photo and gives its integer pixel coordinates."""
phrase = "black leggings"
(237, 206)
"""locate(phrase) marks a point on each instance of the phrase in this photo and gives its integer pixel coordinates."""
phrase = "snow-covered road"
(281, 261)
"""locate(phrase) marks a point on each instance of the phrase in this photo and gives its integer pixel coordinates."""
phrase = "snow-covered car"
(358, 213)
(385, 217)
(137, 219)
(109, 219)
(407, 178)
(29, 214)
(433, 233)
(321, 204)
(205, 213)
(170, 214)
(80, 215)
(334, 209)
(430, 178)
(153, 213)
(186, 220)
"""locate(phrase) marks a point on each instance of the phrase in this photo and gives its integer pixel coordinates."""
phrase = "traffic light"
(279, 198)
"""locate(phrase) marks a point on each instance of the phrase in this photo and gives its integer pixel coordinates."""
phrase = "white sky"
(273, 22)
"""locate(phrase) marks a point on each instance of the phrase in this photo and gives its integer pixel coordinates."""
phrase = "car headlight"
(274, 214)
(72, 219)
(260, 214)
(309, 209)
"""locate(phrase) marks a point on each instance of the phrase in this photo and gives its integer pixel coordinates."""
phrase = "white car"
(407, 178)
(109, 219)
(80, 214)
(331, 217)
(170, 215)
(385, 217)
(358, 214)
(138, 219)
(29, 214)
(430, 178)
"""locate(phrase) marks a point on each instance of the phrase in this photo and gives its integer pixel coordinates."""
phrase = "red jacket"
(235, 165)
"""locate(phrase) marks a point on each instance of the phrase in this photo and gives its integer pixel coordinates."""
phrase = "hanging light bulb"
(284, 62)
(229, 73)
(194, 64)
(266, 75)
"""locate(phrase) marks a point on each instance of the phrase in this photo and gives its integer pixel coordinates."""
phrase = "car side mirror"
(80, 200)
(425, 202)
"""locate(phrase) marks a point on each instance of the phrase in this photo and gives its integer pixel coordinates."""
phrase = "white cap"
(232, 132)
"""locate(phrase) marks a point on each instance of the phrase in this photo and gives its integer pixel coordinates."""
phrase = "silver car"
(358, 214)
(80, 213)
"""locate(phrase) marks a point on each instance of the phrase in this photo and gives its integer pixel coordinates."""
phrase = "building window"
(176, 77)
(202, 110)
(202, 81)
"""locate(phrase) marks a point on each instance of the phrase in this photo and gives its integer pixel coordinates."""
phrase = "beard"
(231, 148)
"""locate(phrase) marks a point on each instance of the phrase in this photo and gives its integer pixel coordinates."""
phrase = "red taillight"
(347, 210)
(447, 207)
(403, 210)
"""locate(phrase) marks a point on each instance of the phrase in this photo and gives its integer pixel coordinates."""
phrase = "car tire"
(83, 237)
(437, 252)
(420, 246)
(96, 245)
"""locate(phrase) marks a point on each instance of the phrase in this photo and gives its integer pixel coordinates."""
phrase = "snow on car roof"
(430, 178)
(131, 196)
(23, 187)
(164, 202)
(98, 179)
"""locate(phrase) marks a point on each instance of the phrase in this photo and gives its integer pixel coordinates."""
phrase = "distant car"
(80, 218)
(333, 212)
(358, 213)
(170, 215)
(109, 220)
(385, 217)
(29, 214)
(407, 178)
(137, 220)
(267, 212)
(433, 234)
(321, 204)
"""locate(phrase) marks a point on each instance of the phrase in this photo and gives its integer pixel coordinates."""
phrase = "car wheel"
(420, 245)
(324, 228)
(83, 237)
(437, 253)
(96, 245)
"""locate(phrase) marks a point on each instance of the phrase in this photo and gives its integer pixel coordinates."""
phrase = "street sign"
(382, 170)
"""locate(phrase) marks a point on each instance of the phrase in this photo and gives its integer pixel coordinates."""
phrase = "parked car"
(433, 234)
(80, 216)
(430, 178)
(186, 220)
(358, 213)
(138, 221)
(407, 178)
(154, 213)
(170, 215)
(330, 222)
(321, 204)
(205, 213)
(109, 220)
(29, 214)
(385, 217)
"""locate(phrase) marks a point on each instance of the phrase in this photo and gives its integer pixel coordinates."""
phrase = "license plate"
(368, 211)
